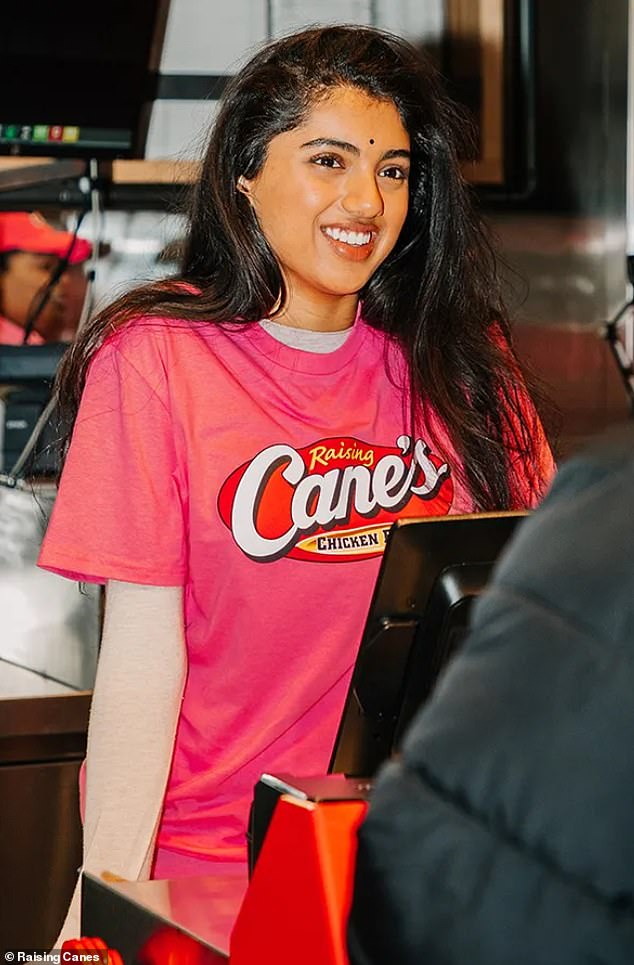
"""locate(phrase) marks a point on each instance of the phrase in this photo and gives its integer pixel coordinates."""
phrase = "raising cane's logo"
(332, 501)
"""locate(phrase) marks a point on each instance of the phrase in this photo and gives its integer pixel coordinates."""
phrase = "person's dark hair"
(437, 294)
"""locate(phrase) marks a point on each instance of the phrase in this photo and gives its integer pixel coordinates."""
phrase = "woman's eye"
(327, 161)
(395, 173)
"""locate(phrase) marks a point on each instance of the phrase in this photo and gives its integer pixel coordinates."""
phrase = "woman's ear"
(244, 186)
(247, 187)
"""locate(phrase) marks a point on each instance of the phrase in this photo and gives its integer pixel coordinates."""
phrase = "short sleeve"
(119, 510)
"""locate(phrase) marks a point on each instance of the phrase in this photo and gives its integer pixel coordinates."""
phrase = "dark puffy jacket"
(505, 834)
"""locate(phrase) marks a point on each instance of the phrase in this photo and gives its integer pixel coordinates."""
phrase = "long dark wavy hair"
(437, 294)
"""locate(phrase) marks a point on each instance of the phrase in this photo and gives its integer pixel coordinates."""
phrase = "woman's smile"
(352, 241)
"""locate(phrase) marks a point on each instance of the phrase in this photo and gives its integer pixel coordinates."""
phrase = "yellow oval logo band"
(348, 542)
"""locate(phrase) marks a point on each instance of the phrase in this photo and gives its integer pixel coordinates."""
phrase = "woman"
(333, 355)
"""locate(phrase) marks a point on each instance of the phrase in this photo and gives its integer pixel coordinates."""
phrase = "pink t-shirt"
(264, 479)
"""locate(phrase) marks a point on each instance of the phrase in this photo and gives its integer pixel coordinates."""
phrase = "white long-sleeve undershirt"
(133, 718)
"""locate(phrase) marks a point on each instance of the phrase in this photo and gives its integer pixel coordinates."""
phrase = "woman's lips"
(351, 251)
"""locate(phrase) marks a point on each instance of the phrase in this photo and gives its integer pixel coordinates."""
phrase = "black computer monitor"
(431, 572)
(77, 78)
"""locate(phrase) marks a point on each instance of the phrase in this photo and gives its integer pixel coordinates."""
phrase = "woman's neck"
(323, 314)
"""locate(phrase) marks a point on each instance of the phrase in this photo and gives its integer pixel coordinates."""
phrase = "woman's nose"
(362, 196)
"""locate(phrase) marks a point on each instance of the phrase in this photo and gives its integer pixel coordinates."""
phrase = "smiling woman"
(333, 355)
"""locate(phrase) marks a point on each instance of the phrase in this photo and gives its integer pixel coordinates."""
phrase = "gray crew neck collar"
(306, 340)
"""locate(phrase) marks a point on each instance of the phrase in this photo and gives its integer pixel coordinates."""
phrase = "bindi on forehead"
(371, 140)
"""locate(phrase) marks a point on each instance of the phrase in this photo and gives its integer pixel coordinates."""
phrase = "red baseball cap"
(24, 231)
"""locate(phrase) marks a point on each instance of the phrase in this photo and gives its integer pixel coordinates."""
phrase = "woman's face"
(332, 195)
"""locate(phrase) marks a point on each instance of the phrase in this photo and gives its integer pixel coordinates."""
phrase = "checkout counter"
(293, 909)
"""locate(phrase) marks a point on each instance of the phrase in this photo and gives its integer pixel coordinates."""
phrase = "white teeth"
(356, 238)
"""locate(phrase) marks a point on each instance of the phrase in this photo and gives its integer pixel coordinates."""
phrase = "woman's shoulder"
(152, 354)
(149, 330)
(148, 340)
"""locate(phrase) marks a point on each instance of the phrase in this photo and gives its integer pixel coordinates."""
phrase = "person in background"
(30, 252)
(505, 831)
(333, 354)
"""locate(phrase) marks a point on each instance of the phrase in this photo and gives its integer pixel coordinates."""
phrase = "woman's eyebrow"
(396, 152)
(352, 148)
(331, 142)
